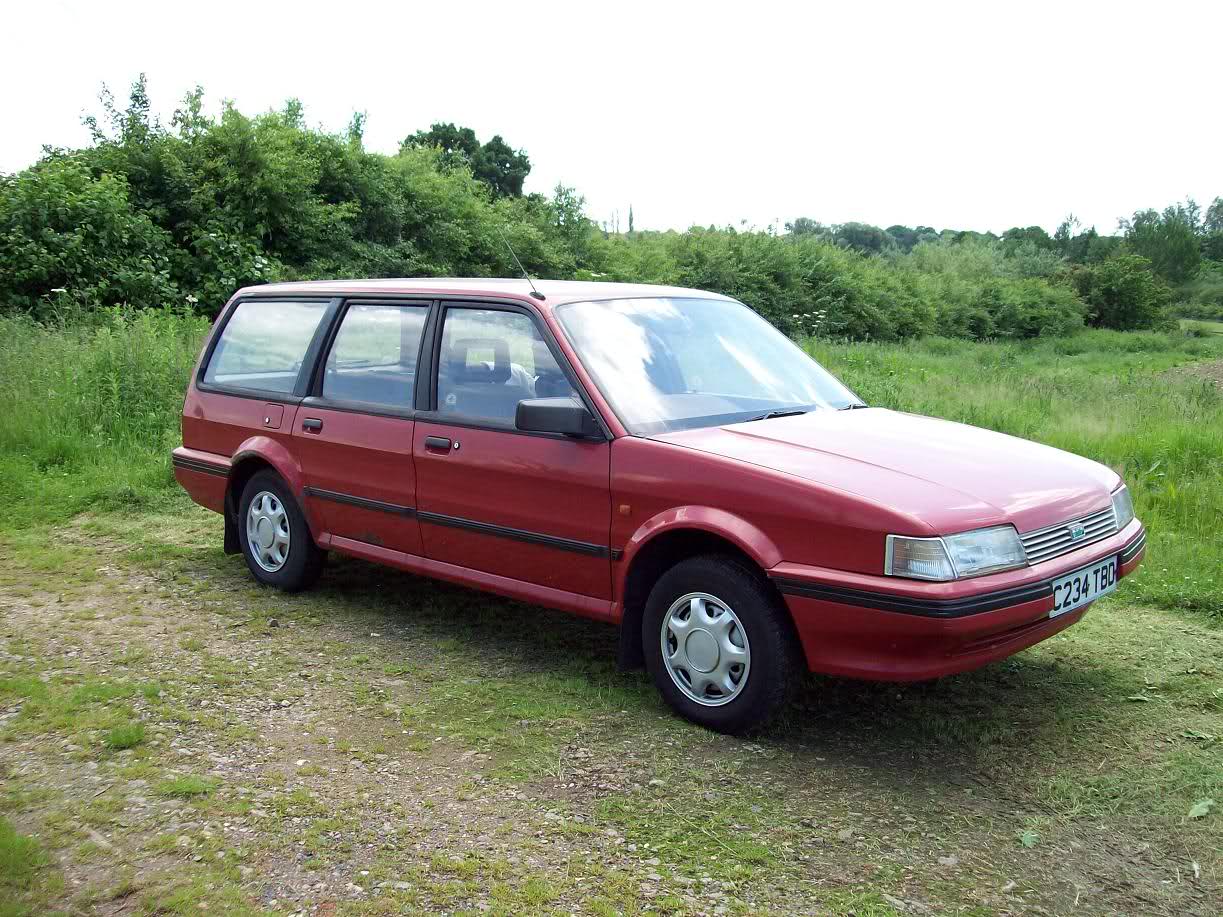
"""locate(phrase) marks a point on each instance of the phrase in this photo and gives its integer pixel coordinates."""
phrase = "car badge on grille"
(1077, 532)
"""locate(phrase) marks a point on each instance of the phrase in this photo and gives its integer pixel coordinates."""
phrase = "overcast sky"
(978, 115)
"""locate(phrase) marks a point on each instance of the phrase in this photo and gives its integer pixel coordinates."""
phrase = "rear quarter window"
(263, 344)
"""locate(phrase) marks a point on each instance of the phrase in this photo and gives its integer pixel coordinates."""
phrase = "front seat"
(480, 388)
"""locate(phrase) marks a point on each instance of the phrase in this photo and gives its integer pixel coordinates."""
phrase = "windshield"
(674, 364)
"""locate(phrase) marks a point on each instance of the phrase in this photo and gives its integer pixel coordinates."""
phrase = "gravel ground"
(387, 744)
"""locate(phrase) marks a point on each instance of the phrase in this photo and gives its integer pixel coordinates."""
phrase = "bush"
(1202, 297)
(149, 216)
(1122, 293)
(1202, 311)
(62, 230)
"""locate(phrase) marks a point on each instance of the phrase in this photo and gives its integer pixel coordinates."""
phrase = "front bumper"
(889, 629)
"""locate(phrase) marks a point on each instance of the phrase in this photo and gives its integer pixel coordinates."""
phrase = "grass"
(125, 736)
(88, 414)
(479, 753)
(1201, 325)
(20, 858)
(185, 787)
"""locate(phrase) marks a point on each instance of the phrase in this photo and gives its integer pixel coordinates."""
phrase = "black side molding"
(484, 528)
(502, 531)
(929, 608)
(362, 502)
(190, 464)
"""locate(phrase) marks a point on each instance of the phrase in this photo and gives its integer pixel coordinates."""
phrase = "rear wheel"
(275, 539)
(719, 645)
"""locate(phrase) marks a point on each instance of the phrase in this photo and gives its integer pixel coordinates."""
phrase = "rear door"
(353, 434)
(533, 507)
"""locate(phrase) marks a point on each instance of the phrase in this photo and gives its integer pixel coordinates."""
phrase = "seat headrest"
(463, 370)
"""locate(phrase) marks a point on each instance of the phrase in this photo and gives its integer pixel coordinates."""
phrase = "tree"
(1168, 240)
(458, 144)
(1212, 227)
(1015, 236)
(501, 167)
(495, 163)
(905, 239)
(805, 226)
(1213, 221)
(862, 237)
(1065, 232)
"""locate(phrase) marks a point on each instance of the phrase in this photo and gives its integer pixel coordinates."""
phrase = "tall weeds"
(89, 411)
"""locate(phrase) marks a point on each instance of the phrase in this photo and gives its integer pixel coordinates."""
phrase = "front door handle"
(312, 425)
(437, 443)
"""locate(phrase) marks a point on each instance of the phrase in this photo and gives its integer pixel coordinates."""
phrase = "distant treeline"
(182, 214)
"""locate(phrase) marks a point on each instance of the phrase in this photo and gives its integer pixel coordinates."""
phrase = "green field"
(1194, 324)
(174, 739)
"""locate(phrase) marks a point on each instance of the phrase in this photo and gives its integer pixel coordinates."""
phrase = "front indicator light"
(1123, 507)
(918, 558)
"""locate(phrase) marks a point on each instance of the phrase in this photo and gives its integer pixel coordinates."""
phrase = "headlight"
(955, 556)
(1123, 507)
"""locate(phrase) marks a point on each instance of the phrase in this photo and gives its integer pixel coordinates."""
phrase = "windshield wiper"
(792, 412)
(853, 407)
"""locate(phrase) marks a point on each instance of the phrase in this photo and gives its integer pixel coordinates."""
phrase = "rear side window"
(373, 359)
(263, 345)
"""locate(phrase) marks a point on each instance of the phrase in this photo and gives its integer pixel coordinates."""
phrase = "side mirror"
(556, 415)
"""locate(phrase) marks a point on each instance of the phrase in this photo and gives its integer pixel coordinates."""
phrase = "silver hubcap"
(267, 531)
(705, 649)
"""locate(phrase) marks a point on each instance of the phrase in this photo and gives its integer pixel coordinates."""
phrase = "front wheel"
(718, 644)
(275, 539)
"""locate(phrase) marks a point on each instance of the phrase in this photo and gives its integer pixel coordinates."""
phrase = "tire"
(283, 554)
(755, 647)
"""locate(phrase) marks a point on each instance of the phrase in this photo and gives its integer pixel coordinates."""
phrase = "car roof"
(556, 292)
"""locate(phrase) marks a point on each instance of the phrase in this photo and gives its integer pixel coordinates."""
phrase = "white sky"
(979, 115)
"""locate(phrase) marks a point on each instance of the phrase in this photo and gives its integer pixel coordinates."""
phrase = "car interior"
(389, 385)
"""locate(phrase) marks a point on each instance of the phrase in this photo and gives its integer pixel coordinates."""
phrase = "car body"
(508, 436)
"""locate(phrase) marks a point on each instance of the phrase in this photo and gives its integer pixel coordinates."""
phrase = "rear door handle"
(437, 443)
(312, 424)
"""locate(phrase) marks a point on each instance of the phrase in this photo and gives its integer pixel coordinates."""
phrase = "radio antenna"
(534, 292)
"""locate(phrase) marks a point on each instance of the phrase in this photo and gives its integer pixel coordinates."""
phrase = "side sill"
(584, 605)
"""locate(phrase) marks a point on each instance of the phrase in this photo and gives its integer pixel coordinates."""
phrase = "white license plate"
(1082, 586)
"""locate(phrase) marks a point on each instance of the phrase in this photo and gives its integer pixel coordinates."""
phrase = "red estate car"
(658, 458)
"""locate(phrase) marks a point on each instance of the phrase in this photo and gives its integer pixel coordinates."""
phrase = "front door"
(532, 507)
(354, 436)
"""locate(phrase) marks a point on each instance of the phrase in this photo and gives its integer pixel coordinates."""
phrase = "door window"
(373, 359)
(263, 345)
(490, 360)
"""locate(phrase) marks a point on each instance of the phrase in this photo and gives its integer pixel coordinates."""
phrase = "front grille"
(1056, 540)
